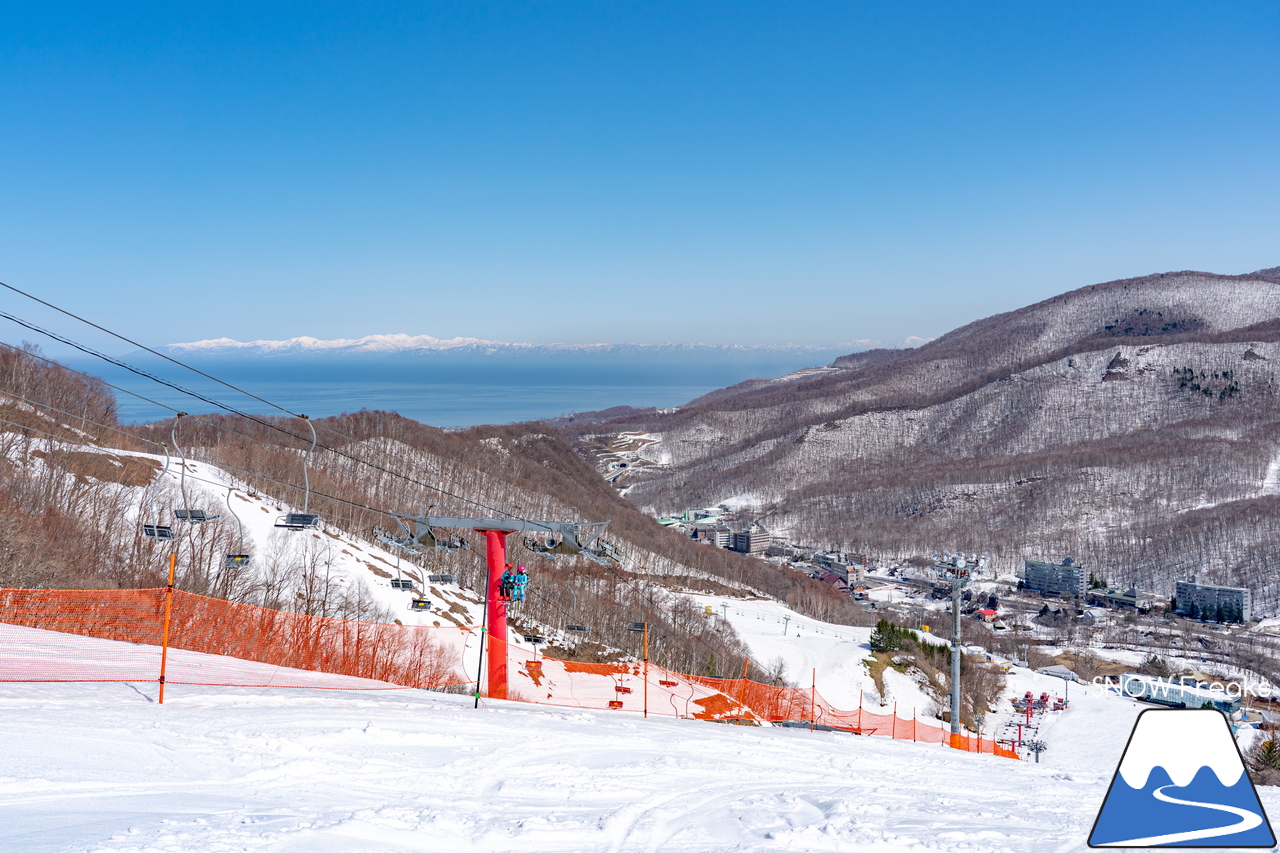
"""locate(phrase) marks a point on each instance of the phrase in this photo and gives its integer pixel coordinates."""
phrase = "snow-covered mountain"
(1130, 424)
(401, 344)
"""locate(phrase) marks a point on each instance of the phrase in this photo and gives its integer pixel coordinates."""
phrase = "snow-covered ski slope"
(103, 768)
(776, 633)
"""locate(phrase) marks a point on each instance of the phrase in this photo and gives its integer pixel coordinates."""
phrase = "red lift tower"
(552, 538)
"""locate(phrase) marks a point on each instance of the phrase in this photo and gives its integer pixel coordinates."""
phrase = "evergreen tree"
(888, 637)
(1221, 617)
(1263, 759)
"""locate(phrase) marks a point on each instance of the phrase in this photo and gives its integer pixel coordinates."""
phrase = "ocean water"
(442, 394)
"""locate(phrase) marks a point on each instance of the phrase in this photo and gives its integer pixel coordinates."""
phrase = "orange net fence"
(214, 642)
(121, 635)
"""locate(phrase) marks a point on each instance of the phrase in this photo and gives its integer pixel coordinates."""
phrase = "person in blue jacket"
(521, 581)
(505, 584)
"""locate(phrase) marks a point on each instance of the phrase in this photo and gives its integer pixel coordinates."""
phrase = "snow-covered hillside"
(812, 651)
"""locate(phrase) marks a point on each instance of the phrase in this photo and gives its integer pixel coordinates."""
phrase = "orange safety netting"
(215, 642)
(296, 647)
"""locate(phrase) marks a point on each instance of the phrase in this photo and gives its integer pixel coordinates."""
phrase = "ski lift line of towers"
(551, 538)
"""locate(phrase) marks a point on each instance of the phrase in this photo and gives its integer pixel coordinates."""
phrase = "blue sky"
(700, 172)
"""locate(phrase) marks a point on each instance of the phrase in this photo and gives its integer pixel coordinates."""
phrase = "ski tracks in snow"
(95, 769)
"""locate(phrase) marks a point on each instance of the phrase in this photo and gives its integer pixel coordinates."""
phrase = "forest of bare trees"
(1134, 425)
(73, 516)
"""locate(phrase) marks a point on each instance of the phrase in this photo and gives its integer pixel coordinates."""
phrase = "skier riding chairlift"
(521, 581)
(505, 584)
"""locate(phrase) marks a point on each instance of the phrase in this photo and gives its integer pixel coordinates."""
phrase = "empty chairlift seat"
(407, 585)
(157, 531)
(419, 604)
(298, 521)
(193, 516)
(233, 561)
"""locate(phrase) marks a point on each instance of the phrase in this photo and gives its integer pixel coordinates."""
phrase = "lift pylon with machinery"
(571, 538)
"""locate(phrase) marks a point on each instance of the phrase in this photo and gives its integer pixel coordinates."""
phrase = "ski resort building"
(1115, 598)
(755, 540)
(1210, 601)
(1067, 578)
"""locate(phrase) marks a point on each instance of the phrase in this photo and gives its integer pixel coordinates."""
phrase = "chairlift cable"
(128, 456)
(136, 344)
(210, 401)
(164, 447)
(224, 406)
(91, 377)
(228, 408)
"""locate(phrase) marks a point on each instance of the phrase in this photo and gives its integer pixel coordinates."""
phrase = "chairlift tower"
(554, 538)
(957, 569)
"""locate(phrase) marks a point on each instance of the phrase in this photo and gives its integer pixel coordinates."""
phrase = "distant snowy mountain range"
(426, 344)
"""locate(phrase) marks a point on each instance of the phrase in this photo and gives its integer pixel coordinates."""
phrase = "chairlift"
(441, 579)
(187, 514)
(298, 521)
(419, 604)
(569, 542)
(579, 629)
(303, 520)
(421, 538)
(534, 639)
(157, 531)
(404, 584)
(193, 516)
(235, 561)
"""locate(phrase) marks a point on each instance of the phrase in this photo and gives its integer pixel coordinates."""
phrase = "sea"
(442, 394)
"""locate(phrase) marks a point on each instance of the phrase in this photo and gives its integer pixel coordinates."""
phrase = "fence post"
(164, 639)
(813, 697)
(893, 727)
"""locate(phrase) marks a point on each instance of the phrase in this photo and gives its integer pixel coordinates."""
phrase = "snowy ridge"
(402, 343)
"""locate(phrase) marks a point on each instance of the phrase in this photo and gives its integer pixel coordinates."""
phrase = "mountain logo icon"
(1181, 783)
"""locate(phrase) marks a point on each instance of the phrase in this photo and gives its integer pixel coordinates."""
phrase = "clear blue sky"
(714, 172)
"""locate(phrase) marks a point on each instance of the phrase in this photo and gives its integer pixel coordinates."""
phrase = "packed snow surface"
(103, 768)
